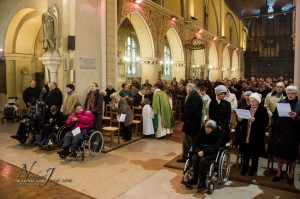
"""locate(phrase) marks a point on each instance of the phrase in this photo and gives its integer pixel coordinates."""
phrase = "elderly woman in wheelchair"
(208, 157)
(79, 119)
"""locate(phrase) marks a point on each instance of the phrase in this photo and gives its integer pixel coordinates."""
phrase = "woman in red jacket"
(82, 119)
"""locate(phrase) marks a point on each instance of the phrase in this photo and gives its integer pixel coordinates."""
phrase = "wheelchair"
(93, 141)
(218, 171)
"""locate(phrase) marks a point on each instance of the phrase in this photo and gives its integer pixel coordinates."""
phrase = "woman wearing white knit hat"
(252, 134)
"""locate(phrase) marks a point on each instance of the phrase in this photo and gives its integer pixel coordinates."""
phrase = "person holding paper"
(284, 140)
(79, 119)
(252, 134)
(120, 106)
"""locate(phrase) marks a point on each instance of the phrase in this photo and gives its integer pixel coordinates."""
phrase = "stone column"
(178, 70)
(149, 70)
(297, 46)
(51, 61)
(215, 73)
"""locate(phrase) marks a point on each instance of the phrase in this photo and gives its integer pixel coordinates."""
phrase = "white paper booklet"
(76, 131)
(122, 118)
(243, 113)
(283, 109)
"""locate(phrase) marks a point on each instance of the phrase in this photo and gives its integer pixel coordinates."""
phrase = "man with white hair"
(192, 115)
(274, 97)
(163, 118)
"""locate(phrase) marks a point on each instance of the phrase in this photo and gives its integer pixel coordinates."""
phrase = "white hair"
(292, 88)
(191, 86)
(211, 124)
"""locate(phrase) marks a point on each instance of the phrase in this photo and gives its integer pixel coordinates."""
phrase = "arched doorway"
(214, 71)
(135, 27)
(178, 66)
(235, 72)
(225, 63)
(23, 47)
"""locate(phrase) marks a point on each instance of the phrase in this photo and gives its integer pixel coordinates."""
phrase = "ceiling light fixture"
(173, 18)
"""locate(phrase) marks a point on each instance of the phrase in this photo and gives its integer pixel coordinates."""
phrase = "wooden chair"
(107, 115)
(111, 130)
(137, 121)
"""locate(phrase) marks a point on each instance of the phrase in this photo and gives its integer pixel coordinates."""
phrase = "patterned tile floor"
(133, 171)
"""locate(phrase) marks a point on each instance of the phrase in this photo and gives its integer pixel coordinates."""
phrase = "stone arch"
(178, 68)
(143, 33)
(235, 36)
(226, 63)
(22, 31)
(213, 65)
(22, 49)
(235, 68)
(214, 11)
(244, 38)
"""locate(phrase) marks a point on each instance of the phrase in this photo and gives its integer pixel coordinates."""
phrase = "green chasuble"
(161, 105)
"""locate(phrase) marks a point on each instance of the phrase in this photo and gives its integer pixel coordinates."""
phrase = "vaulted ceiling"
(248, 8)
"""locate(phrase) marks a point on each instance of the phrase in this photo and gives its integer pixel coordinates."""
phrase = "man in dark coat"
(220, 111)
(31, 92)
(54, 96)
(192, 115)
(236, 89)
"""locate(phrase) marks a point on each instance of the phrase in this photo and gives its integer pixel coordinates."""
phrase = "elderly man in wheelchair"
(81, 119)
(208, 161)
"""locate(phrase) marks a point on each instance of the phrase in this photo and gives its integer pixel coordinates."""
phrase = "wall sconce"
(224, 69)
(210, 67)
(233, 70)
(138, 1)
(174, 18)
(1, 49)
(215, 38)
(228, 45)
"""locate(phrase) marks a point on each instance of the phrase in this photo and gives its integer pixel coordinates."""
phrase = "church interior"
(122, 43)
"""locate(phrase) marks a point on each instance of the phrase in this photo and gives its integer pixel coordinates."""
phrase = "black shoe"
(14, 136)
(277, 178)
(64, 151)
(73, 154)
(290, 181)
(193, 181)
(243, 173)
(127, 139)
(182, 160)
(201, 186)
(251, 173)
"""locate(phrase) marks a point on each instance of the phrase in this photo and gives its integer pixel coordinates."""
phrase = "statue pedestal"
(51, 61)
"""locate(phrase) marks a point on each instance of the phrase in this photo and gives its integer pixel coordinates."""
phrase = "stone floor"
(133, 171)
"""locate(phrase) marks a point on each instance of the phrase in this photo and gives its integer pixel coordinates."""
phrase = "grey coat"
(124, 108)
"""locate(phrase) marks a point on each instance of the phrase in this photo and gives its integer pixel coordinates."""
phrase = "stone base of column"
(51, 61)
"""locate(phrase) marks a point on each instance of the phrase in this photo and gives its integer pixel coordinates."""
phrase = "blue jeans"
(69, 140)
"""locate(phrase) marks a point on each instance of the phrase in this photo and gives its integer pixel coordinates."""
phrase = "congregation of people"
(206, 109)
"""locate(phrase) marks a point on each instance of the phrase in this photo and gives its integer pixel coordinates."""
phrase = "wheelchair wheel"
(62, 131)
(187, 173)
(96, 143)
(224, 167)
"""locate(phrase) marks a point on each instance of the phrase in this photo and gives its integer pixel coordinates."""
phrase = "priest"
(163, 118)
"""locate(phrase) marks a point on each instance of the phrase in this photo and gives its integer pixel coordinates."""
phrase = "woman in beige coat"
(70, 100)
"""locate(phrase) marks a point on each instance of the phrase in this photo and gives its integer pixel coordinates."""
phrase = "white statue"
(49, 20)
